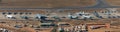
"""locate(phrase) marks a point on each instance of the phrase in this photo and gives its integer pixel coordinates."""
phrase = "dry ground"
(5, 26)
(114, 2)
(51, 3)
(45, 3)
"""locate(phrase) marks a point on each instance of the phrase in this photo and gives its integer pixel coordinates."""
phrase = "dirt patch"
(45, 3)
(114, 2)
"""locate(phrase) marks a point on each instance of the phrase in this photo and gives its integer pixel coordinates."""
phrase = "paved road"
(100, 4)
